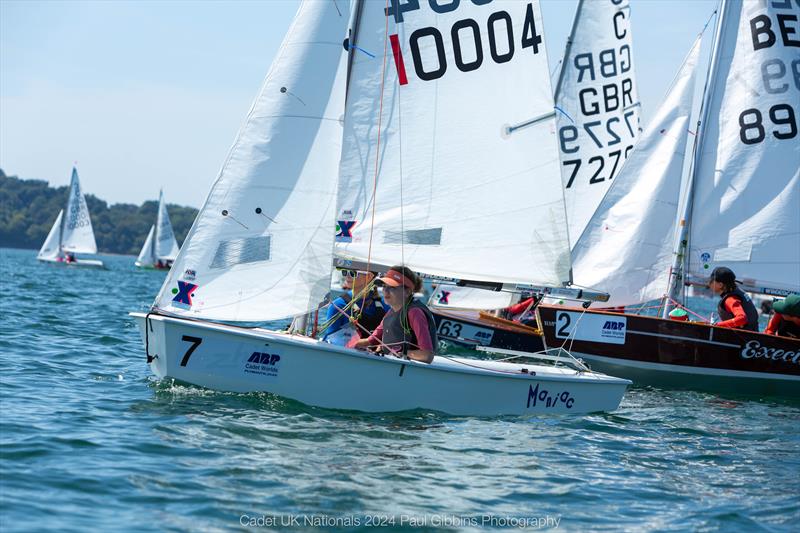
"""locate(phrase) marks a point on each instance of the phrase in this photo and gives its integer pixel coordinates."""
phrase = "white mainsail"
(598, 106)
(166, 246)
(626, 249)
(261, 247)
(746, 205)
(430, 174)
(77, 235)
(146, 257)
(51, 249)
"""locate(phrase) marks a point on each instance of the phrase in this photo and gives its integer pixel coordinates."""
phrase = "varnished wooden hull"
(661, 352)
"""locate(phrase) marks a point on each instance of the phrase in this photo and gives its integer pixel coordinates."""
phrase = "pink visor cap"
(393, 278)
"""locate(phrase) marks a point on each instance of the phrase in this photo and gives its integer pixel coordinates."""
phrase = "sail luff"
(679, 268)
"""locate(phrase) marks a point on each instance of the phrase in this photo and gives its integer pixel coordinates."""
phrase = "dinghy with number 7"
(423, 177)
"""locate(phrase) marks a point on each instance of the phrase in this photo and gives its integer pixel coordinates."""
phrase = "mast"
(350, 43)
(155, 233)
(567, 49)
(679, 267)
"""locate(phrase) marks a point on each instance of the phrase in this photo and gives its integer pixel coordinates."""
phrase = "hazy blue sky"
(148, 94)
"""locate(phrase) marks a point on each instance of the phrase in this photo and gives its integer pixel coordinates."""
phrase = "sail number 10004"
(464, 34)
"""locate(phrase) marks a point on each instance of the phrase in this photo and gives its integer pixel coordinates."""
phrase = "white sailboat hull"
(234, 359)
(92, 263)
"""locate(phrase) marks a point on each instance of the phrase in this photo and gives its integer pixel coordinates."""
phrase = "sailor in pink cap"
(408, 329)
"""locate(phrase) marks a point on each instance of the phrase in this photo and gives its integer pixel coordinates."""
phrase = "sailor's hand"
(361, 344)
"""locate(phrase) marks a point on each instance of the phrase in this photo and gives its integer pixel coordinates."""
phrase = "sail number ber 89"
(499, 30)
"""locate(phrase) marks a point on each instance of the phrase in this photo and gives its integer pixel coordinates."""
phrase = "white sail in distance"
(627, 247)
(146, 257)
(51, 248)
(262, 245)
(431, 175)
(166, 246)
(77, 235)
(598, 106)
(746, 203)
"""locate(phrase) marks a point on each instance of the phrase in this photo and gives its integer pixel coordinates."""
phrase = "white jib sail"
(261, 247)
(166, 247)
(455, 194)
(627, 247)
(598, 103)
(746, 208)
(77, 235)
(455, 297)
(51, 248)
(146, 257)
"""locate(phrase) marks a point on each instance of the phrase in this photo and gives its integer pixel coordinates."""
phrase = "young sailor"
(340, 331)
(786, 320)
(735, 308)
(408, 327)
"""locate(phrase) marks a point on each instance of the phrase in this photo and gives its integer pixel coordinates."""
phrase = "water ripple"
(91, 440)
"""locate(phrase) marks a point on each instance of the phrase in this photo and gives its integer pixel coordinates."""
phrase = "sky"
(150, 94)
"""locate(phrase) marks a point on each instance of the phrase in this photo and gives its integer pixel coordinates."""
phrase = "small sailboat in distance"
(160, 247)
(71, 233)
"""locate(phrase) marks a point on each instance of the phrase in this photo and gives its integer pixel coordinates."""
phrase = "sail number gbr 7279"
(469, 50)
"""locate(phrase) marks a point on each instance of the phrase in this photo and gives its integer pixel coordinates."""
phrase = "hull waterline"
(230, 358)
(681, 355)
(90, 263)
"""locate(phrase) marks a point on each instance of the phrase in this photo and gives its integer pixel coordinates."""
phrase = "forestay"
(746, 209)
(261, 247)
(430, 174)
(166, 247)
(51, 248)
(77, 235)
(626, 249)
(598, 103)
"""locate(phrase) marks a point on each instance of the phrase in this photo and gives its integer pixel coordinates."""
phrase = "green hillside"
(28, 209)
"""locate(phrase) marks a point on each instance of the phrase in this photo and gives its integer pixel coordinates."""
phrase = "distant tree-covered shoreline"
(28, 209)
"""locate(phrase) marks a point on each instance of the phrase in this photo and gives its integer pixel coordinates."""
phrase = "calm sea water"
(89, 439)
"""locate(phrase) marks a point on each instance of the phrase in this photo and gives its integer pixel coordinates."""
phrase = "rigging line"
(404, 311)
(378, 142)
(348, 305)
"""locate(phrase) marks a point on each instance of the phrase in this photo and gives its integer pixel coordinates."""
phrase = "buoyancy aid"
(400, 340)
(747, 304)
